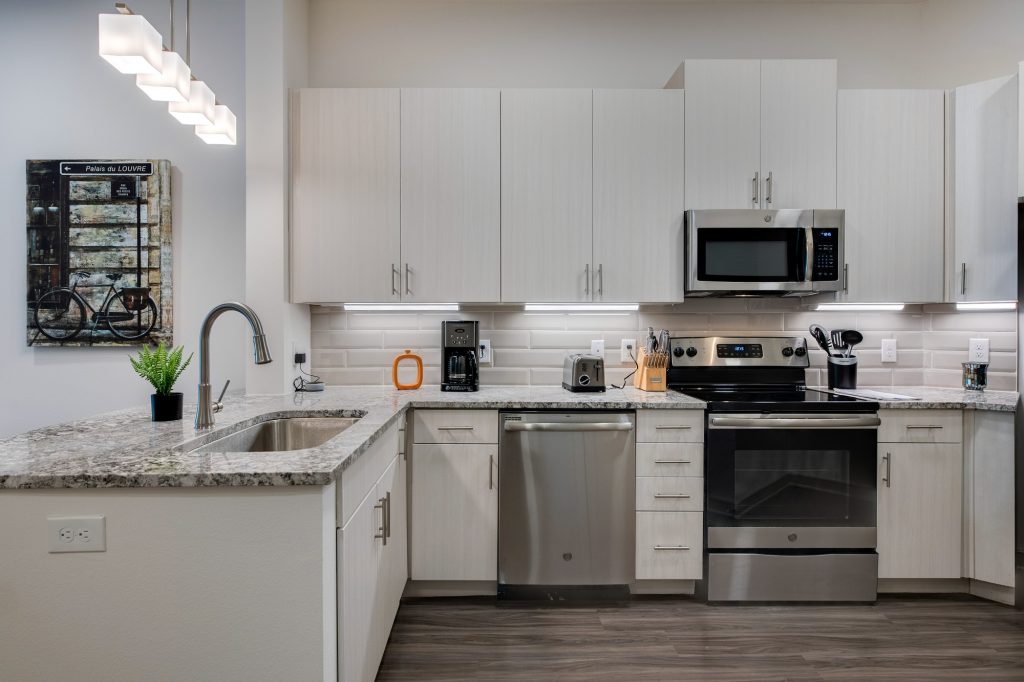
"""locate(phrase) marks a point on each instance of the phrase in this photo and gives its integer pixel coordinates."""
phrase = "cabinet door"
(546, 195)
(983, 263)
(359, 563)
(454, 532)
(723, 133)
(992, 512)
(345, 203)
(391, 575)
(892, 185)
(638, 195)
(451, 195)
(798, 133)
(919, 510)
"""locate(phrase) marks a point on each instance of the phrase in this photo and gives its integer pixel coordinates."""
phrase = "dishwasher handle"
(558, 426)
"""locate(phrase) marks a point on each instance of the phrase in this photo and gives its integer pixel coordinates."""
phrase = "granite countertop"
(946, 398)
(125, 449)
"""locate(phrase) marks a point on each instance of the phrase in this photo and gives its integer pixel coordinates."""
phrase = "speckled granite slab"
(948, 399)
(125, 449)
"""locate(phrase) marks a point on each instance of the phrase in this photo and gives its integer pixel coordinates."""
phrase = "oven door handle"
(866, 422)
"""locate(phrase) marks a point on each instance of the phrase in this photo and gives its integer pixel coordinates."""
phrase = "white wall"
(638, 43)
(63, 101)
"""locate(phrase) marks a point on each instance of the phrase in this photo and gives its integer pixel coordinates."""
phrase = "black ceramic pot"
(166, 408)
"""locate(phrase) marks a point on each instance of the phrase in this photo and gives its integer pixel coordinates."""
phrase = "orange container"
(407, 355)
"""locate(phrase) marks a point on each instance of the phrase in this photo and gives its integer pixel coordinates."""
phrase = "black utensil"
(818, 333)
(851, 337)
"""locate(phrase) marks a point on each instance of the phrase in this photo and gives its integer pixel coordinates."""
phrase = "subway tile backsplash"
(358, 347)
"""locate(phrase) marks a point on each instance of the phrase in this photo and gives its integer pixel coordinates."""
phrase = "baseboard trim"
(450, 588)
(924, 586)
(662, 587)
(998, 593)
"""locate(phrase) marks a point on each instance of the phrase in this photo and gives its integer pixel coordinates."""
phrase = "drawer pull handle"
(670, 427)
(455, 428)
(924, 426)
(674, 496)
(672, 547)
(672, 461)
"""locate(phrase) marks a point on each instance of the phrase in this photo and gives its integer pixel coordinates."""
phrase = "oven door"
(791, 481)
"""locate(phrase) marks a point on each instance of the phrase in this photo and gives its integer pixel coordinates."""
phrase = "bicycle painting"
(99, 253)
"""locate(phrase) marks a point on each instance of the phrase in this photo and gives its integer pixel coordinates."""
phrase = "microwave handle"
(806, 258)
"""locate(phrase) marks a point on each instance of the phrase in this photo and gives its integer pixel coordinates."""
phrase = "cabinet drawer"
(669, 545)
(670, 426)
(920, 426)
(670, 459)
(669, 493)
(455, 426)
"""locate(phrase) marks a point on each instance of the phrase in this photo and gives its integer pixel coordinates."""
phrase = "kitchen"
(431, 162)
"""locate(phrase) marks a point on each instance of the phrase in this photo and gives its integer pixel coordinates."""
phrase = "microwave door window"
(762, 260)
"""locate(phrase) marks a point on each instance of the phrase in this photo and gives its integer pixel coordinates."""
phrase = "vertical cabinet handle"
(382, 535)
(600, 279)
(757, 190)
(387, 517)
(394, 287)
(408, 280)
(963, 279)
(586, 279)
(886, 479)
(768, 183)
(846, 278)
(490, 474)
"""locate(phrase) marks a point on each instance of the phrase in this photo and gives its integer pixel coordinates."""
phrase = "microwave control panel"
(825, 264)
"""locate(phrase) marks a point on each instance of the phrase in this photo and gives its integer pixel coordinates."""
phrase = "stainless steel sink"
(278, 435)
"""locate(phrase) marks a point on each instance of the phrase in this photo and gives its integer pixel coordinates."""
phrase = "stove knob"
(691, 351)
(787, 351)
(677, 351)
(800, 351)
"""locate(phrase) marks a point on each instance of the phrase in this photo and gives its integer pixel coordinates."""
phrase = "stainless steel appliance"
(566, 490)
(789, 252)
(459, 343)
(583, 373)
(790, 474)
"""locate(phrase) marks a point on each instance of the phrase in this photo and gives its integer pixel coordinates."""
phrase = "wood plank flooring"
(904, 639)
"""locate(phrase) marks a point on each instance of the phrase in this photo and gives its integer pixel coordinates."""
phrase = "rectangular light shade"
(198, 110)
(223, 129)
(991, 305)
(402, 307)
(130, 43)
(581, 307)
(172, 84)
(867, 307)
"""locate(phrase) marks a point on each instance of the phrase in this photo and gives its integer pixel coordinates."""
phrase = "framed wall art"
(99, 252)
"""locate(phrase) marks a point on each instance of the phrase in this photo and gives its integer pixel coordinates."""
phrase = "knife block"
(649, 378)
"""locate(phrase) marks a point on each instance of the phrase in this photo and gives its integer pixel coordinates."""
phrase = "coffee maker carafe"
(459, 344)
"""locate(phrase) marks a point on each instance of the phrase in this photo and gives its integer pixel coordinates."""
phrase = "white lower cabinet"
(990, 509)
(919, 510)
(372, 561)
(669, 545)
(454, 519)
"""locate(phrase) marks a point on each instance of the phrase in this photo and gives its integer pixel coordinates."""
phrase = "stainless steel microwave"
(789, 252)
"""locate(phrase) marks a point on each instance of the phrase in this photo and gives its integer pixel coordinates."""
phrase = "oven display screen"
(740, 350)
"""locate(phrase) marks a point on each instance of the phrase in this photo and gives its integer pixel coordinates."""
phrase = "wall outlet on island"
(977, 351)
(76, 534)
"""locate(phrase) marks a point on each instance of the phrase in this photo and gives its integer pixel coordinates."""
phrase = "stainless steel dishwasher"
(566, 494)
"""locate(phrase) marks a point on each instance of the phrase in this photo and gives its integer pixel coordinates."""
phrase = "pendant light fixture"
(133, 46)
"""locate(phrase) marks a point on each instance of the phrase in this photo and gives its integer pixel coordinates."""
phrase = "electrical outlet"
(597, 347)
(76, 533)
(627, 349)
(889, 350)
(977, 351)
(485, 351)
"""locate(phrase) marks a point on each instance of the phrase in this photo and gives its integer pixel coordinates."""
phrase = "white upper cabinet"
(451, 195)
(723, 133)
(891, 183)
(546, 195)
(760, 133)
(982, 263)
(345, 204)
(638, 196)
(1020, 131)
(798, 133)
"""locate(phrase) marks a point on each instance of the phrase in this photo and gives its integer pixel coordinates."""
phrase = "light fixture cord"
(172, 25)
(188, 32)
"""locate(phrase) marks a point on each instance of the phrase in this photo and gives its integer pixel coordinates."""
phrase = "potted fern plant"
(162, 368)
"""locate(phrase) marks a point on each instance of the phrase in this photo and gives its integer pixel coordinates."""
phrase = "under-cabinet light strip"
(990, 305)
(854, 307)
(581, 307)
(402, 307)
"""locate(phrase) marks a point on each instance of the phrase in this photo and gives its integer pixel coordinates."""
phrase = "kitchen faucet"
(206, 408)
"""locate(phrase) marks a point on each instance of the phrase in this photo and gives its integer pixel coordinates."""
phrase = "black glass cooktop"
(776, 399)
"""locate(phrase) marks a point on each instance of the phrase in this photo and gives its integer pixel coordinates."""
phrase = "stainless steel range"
(790, 474)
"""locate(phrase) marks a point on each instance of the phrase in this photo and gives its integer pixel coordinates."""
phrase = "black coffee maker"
(459, 347)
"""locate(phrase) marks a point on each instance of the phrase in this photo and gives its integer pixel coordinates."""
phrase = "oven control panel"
(720, 351)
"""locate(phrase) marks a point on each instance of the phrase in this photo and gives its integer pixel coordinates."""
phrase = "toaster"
(583, 373)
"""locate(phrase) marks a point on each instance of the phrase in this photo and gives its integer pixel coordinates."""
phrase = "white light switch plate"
(597, 347)
(977, 351)
(76, 533)
(485, 351)
(627, 348)
(889, 350)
